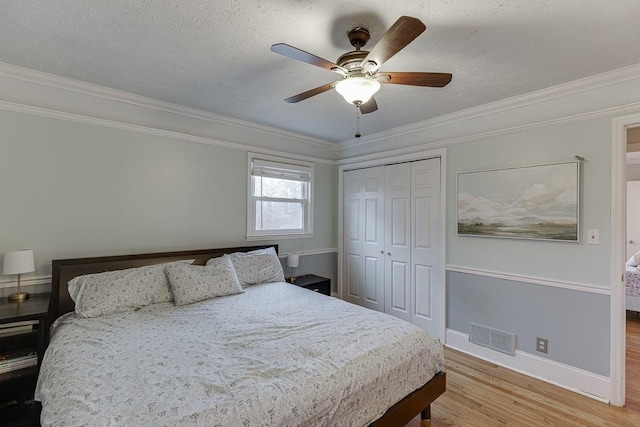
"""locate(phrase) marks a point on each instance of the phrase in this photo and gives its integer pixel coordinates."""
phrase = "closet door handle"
(389, 253)
(382, 252)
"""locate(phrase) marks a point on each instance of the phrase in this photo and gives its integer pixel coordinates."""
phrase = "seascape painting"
(531, 202)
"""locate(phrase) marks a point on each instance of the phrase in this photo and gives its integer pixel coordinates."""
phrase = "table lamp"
(18, 262)
(293, 261)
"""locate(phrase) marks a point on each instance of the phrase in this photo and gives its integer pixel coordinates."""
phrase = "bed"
(275, 354)
(632, 288)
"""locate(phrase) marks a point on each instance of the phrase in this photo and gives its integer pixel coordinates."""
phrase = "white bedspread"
(276, 355)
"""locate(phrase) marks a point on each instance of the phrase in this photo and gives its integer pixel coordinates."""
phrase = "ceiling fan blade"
(308, 94)
(401, 33)
(301, 55)
(369, 107)
(416, 79)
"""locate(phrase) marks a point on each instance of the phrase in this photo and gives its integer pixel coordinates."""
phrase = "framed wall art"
(530, 202)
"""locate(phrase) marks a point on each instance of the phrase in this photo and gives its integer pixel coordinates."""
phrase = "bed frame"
(63, 270)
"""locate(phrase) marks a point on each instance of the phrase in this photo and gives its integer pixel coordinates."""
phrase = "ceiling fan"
(360, 69)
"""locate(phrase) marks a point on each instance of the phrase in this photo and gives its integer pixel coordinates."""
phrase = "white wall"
(73, 190)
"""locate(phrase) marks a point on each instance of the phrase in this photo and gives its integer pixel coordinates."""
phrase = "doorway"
(620, 127)
(632, 235)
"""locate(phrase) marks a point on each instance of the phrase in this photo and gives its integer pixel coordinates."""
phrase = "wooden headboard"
(63, 270)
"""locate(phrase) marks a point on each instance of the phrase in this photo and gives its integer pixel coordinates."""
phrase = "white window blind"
(280, 196)
(281, 170)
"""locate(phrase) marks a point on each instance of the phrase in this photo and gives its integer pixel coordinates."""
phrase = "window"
(280, 198)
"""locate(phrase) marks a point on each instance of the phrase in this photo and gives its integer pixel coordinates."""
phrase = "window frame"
(307, 204)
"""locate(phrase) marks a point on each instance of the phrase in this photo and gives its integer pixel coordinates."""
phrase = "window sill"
(258, 237)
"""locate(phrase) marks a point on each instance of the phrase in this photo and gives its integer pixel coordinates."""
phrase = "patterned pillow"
(120, 290)
(192, 283)
(259, 266)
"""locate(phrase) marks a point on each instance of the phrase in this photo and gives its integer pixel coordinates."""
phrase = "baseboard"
(568, 377)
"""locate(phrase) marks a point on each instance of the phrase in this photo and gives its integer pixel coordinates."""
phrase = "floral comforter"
(632, 282)
(276, 355)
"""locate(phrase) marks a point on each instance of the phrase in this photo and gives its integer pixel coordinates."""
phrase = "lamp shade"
(357, 90)
(293, 260)
(18, 262)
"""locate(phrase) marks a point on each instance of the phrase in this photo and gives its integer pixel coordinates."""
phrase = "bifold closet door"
(427, 265)
(364, 237)
(393, 258)
(397, 219)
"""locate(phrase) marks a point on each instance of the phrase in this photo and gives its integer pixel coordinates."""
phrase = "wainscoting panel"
(576, 323)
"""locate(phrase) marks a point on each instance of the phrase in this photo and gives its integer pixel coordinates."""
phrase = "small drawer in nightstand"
(314, 283)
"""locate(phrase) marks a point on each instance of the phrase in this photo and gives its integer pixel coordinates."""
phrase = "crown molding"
(606, 112)
(588, 83)
(77, 118)
(334, 150)
(92, 90)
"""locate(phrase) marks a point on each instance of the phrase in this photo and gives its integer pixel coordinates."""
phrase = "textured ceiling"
(215, 55)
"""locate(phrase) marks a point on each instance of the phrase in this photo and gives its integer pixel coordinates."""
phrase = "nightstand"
(17, 386)
(313, 282)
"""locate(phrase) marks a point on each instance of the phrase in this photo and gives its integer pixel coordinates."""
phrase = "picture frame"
(538, 202)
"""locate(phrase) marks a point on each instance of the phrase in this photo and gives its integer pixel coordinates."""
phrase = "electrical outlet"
(542, 345)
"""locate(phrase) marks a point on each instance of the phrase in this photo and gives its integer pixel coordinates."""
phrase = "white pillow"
(117, 291)
(259, 266)
(634, 261)
(192, 283)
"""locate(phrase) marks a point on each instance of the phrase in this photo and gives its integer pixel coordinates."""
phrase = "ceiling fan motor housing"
(351, 61)
(358, 37)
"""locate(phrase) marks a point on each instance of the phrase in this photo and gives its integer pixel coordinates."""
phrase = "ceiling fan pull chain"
(357, 135)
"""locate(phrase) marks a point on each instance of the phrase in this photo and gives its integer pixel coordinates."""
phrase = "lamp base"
(19, 297)
(292, 279)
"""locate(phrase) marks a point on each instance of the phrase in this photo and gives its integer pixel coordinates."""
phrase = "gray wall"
(575, 323)
(72, 190)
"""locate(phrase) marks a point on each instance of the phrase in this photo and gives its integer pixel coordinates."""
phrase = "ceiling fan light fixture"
(357, 90)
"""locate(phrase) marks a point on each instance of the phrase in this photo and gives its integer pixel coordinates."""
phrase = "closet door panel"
(422, 301)
(353, 279)
(373, 294)
(353, 236)
(373, 242)
(399, 291)
(399, 230)
(397, 240)
(422, 232)
(427, 282)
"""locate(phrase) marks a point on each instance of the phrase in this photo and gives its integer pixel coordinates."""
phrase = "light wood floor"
(483, 394)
